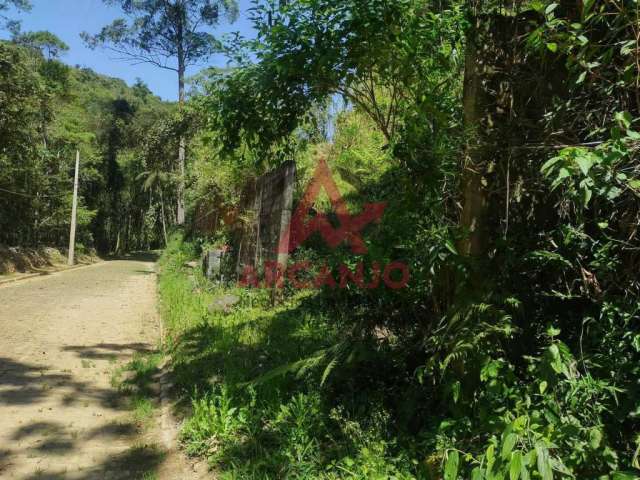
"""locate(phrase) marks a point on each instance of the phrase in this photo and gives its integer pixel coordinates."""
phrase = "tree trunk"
(181, 163)
(474, 195)
(127, 238)
(180, 215)
(507, 92)
(117, 250)
(164, 223)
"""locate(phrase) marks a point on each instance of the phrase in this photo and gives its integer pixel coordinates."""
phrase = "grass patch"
(249, 423)
(143, 410)
(137, 381)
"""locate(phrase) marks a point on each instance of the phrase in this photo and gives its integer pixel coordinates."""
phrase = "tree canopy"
(48, 111)
(5, 5)
(45, 42)
(167, 34)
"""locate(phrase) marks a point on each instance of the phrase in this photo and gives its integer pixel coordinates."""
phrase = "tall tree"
(43, 41)
(170, 34)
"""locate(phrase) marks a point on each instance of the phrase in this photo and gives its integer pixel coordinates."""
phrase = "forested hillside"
(48, 110)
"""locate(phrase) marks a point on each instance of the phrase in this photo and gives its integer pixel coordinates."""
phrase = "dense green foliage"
(514, 353)
(48, 110)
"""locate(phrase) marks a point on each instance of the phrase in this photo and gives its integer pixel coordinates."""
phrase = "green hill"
(47, 111)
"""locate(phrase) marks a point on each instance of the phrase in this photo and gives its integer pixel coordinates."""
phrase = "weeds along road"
(61, 338)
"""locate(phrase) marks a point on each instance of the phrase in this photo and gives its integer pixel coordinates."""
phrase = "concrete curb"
(28, 276)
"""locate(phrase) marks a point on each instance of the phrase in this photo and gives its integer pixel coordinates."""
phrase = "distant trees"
(45, 42)
(47, 111)
(170, 35)
(20, 92)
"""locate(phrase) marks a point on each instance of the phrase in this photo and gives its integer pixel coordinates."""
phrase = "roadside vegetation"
(138, 382)
(245, 416)
(512, 195)
(513, 198)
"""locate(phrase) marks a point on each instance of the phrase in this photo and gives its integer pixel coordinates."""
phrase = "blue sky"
(67, 18)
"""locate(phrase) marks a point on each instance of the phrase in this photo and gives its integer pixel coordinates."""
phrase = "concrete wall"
(265, 214)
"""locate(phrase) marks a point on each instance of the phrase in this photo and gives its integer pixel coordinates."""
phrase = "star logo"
(350, 225)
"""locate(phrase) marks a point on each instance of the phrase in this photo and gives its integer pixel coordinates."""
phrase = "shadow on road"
(62, 414)
(108, 351)
(150, 257)
(26, 384)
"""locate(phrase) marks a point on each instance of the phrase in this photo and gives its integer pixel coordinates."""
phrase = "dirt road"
(61, 338)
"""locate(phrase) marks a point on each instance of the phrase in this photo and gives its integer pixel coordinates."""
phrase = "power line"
(32, 196)
(15, 193)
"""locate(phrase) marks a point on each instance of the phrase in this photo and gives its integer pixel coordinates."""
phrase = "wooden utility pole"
(72, 235)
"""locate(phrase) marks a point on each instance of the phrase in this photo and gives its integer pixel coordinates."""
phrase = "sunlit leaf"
(451, 467)
(507, 446)
(515, 466)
